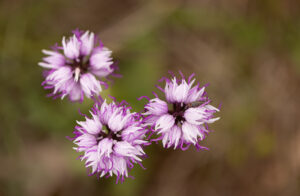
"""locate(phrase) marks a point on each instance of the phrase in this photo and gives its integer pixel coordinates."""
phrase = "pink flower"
(183, 118)
(78, 67)
(111, 140)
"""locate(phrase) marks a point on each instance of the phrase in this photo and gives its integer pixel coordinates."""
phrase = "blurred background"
(248, 50)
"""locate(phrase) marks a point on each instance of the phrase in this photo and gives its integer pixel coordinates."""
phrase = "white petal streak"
(118, 120)
(176, 92)
(181, 92)
(164, 123)
(105, 147)
(200, 115)
(172, 137)
(157, 107)
(92, 126)
(90, 85)
(85, 141)
(125, 149)
(195, 94)
(87, 43)
(195, 115)
(101, 62)
(120, 166)
(190, 132)
(53, 61)
(71, 47)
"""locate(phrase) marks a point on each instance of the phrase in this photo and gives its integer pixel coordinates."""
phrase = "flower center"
(179, 109)
(79, 65)
(107, 133)
(178, 112)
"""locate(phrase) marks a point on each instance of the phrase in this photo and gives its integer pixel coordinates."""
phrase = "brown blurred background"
(248, 50)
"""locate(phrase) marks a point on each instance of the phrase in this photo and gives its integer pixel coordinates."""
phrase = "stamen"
(77, 73)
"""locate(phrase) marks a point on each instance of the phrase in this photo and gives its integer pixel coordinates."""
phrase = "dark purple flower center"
(178, 112)
(82, 62)
(109, 134)
(179, 108)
